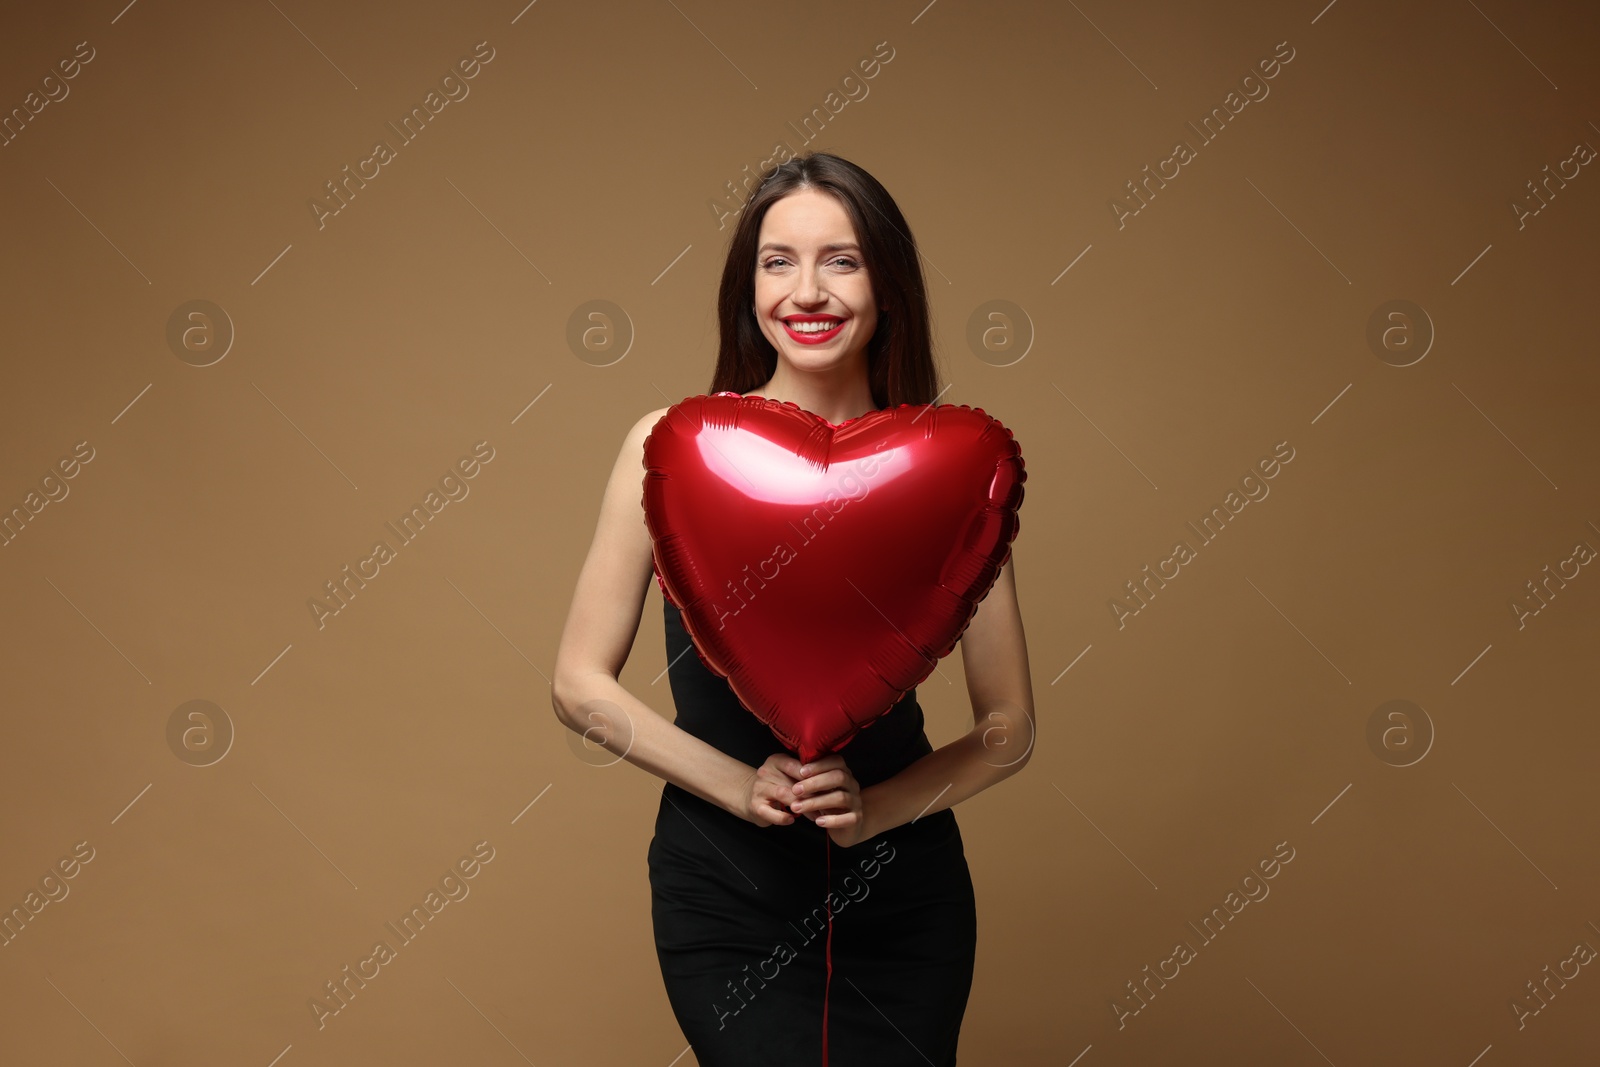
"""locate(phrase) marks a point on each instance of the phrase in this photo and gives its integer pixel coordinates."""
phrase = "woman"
(822, 304)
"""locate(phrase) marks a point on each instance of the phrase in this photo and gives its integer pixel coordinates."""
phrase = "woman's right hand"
(771, 791)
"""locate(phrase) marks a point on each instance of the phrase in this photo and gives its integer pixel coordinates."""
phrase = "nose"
(808, 290)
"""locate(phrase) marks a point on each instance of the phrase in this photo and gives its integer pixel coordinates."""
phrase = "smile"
(813, 332)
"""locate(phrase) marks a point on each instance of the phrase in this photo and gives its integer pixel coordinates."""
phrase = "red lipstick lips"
(815, 337)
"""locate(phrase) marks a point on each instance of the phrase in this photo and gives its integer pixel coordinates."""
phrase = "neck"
(836, 394)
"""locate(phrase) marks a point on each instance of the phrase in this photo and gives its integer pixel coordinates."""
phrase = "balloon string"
(828, 981)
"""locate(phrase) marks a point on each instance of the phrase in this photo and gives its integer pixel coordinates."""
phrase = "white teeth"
(812, 327)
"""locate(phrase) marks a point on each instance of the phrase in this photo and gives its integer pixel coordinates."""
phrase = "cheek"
(866, 305)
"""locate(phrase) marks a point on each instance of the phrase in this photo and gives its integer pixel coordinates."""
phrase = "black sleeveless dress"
(740, 910)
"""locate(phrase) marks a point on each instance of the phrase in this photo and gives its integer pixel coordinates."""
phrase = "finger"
(836, 798)
(837, 820)
(826, 763)
(774, 814)
(827, 816)
(819, 783)
(787, 764)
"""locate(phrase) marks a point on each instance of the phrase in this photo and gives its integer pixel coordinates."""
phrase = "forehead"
(807, 217)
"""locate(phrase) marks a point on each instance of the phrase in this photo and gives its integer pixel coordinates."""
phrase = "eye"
(849, 263)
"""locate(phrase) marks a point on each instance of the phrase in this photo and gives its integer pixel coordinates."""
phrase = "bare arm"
(599, 634)
(994, 653)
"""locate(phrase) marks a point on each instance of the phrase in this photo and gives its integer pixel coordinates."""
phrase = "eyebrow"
(774, 247)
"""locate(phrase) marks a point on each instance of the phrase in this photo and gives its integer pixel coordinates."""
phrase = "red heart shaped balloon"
(824, 570)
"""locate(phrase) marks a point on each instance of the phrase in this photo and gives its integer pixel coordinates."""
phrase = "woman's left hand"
(829, 796)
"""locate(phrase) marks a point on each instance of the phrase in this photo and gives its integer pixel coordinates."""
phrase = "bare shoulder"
(628, 468)
(642, 428)
(633, 445)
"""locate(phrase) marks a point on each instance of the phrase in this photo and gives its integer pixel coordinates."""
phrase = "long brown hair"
(900, 367)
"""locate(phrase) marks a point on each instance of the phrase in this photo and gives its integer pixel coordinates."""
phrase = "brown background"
(370, 355)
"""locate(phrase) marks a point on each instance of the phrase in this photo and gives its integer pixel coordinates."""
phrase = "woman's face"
(809, 270)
